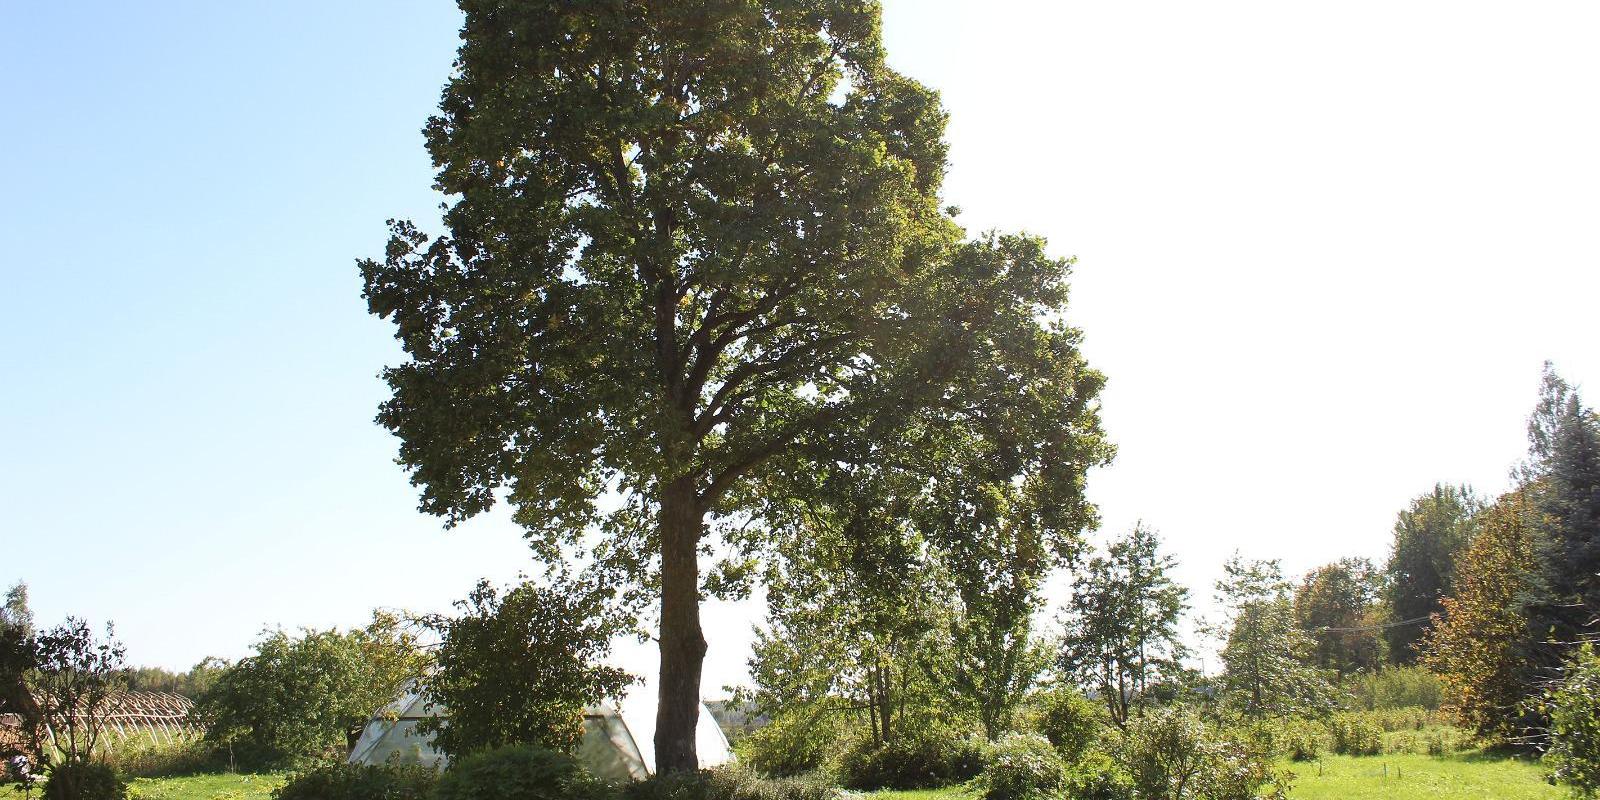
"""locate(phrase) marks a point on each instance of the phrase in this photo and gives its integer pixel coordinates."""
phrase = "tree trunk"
(683, 645)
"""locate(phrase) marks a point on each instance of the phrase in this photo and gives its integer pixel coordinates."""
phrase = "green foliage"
(1265, 669)
(731, 783)
(1429, 537)
(150, 758)
(1337, 606)
(84, 780)
(1294, 738)
(698, 248)
(338, 781)
(520, 772)
(1070, 721)
(1172, 754)
(520, 669)
(1573, 706)
(1022, 766)
(1355, 733)
(1395, 687)
(1098, 776)
(929, 756)
(299, 698)
(1474, 647)
(798, 740)
(1122, 623)
(72, 677)
(192, 684)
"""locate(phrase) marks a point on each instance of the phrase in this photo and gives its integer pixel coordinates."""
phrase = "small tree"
(521, 668)
(1573, 706)
(1122, 623)
(305, 697)
(1265, 658)
(73, 678)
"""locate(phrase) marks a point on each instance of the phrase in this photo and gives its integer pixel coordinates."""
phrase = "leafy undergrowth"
(1464, 776)
(189, 787)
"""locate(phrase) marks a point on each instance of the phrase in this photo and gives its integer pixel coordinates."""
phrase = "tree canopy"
(688, 244)
(1428, 538)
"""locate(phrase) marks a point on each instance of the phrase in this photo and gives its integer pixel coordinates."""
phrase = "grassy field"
(190, 787)
(1468, 776)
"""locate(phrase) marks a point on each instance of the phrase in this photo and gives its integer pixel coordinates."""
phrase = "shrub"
(1396, 687)
(152, 759)
(731, 783)
(796, 741)
(1069, 720)
(929, 758)
(359, 782)
(84, 780)
(1097, 776)
(519, 772)
(1299, 739)
(1023, 766)
(1355, 733)
(1574, 709)
(1171, 754)
(1434, 740)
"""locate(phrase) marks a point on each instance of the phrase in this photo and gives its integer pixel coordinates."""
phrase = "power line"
(1373, 627)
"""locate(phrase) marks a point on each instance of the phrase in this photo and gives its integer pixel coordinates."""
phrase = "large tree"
(1473, 643)
(1337, 606)
(1428, 538)
(687, 242)
(1562, 605)
(1122, 623)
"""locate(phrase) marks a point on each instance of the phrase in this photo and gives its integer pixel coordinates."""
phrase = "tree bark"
(683, 644)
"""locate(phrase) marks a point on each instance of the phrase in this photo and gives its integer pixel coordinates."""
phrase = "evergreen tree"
(1266, 669)
(1562, 605)
(1428, 538)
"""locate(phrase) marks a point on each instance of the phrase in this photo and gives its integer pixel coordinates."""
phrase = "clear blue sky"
(1323, 251)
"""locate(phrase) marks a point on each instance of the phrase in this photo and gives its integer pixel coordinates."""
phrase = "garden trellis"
(154, 717)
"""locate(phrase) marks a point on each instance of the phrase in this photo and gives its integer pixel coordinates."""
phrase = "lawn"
(190, 787)
(1467, 776)
(1408, 777)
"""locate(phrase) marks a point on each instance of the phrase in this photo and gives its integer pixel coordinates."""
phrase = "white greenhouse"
(618, 743)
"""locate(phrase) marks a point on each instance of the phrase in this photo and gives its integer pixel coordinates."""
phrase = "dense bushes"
(84, 780)
(731, 783)
(1396, 687)
(519, 772)
(1023, 766)
(797, 741)
(930, 757)
(359, 782)
(1354, 733)
(1069, 720)
(1574, 709)
(151, 759)
(1172, 754)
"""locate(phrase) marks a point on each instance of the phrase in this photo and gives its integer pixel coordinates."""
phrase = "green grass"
(190, 787)
(1417, 777)
(1465, 776)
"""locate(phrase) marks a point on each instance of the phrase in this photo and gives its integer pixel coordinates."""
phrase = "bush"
(1069, 720)
(1299, 739)
(731, 783)
(359, 782)
(84, 780)
(1097, 776)
(1023, 766)
(151, 759)
(1355, 733)
(1397, 687)
(1171, 754)
(1574, 709)
(1434, 740)
(930, 758)
(796, 741)
(520, 772)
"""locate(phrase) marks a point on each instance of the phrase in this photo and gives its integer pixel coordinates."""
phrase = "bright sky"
(1323, 250)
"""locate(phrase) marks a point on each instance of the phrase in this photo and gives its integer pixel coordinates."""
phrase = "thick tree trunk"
(683, 645)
